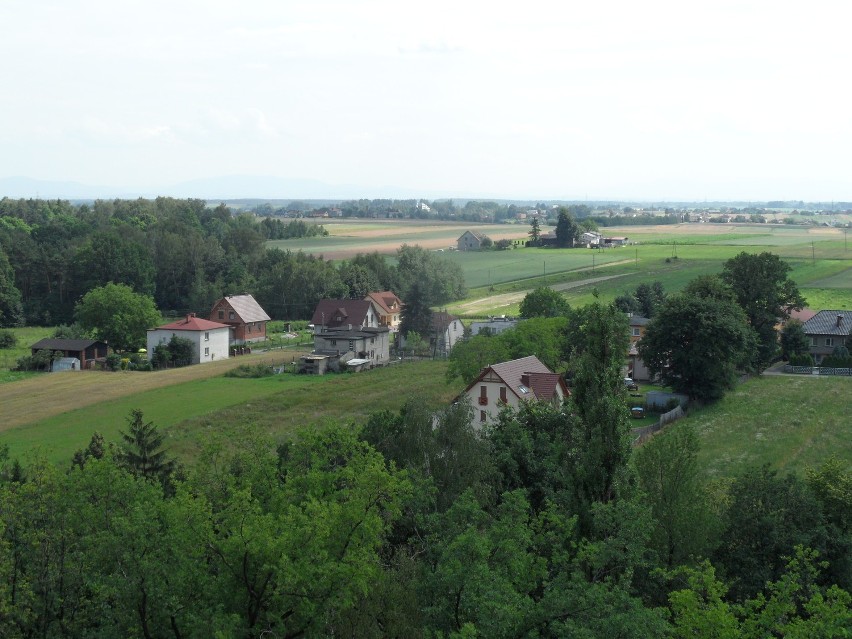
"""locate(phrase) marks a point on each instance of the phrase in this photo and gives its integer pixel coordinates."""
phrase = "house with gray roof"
(827, 330)
(246, 319)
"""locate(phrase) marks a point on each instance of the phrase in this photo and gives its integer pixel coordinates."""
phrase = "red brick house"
(246, 319)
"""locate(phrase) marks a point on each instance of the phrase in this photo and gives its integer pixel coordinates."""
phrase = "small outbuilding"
(85, 351)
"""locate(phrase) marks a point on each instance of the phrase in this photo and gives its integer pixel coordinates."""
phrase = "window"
(351, 345)
(814, 341)
(829, 341)
(503, 397)
(635, 331)
(248, 328)
(483, 395)
(333, 342)
(482, 415)
(206, 337)
(221, 314)
(231, 315)
(207, 352)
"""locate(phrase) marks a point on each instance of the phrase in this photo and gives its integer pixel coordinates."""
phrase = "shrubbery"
(7, 339)
(246, 371)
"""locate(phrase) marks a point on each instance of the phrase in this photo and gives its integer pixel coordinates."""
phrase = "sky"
(656, 100)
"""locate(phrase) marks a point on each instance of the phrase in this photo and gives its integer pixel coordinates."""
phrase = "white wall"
(208, 345)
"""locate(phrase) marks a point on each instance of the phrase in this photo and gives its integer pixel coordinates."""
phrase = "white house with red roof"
(509, 384)
(209, 339)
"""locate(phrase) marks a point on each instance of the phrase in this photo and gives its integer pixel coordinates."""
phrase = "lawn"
(191, 413)
(790, 422)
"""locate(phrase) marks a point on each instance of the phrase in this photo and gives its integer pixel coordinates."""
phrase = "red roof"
(192, 323)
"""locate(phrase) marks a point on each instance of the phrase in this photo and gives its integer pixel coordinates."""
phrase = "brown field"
(37, 398)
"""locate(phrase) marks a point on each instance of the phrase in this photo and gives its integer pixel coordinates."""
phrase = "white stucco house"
(209, 339)
(509, 384)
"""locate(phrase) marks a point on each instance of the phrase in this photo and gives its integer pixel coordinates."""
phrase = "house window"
(206, 337)
(503, 397)
(814, 341)
(829, 341)
(221, 314)
(482, 415)
(207, 352)
(635, 331)
(333, 342)
(248, 328)
(483, 395)
(351, 345)
(231, 315)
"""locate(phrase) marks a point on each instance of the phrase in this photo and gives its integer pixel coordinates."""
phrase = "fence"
(644, 434)
(817, 370)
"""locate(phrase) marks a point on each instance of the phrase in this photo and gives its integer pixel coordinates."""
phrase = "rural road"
(31, 400)
(509, 299)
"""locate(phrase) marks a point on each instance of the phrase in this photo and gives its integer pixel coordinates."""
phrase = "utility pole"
(813, 255)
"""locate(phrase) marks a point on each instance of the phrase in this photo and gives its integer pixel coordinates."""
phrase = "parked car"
(630, 384)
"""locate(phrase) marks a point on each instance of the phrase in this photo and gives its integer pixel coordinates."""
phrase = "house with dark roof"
(827, 330)
(510, 383)
(335, 314)
(361, 346)
(87, 351)
(210, 340)
(390, 308)
(245, 317)
(470, 241)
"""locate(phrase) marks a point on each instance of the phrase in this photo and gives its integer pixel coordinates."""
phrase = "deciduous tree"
(117, 315)
(543, 302)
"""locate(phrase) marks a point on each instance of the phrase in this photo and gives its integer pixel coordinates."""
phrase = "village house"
(828, 330)
(210, 340)
(333, 314)
(354, 348)
(493, 325)
(636, 368)
(243, 315)
(509, 384)
(446, 331)
(390, 308)
(470, 241)
(83, 352)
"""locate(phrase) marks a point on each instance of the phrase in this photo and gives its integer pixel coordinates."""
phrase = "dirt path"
(44, 396)
(508, 299)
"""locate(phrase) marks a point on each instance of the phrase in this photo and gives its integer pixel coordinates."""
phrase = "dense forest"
(415, 524)
(185, 255)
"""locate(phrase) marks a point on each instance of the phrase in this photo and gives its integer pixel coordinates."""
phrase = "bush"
(801, 359)
(247, 371)
(113, 362)
(7, 339)
(38, 362)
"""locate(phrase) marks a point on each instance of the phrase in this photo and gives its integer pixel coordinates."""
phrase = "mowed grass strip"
(193, 412)
(788, 421)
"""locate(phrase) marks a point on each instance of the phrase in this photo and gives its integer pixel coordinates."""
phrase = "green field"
(787, 421)
(191, 412)
(26, 337)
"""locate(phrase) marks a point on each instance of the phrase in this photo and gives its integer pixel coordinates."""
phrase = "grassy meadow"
(192, 412)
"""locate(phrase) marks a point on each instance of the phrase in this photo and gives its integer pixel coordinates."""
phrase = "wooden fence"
(644, 434)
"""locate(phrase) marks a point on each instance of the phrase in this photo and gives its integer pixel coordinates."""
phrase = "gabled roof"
(386, 300)
(638, 320)
(191, 323)
(479, 236)
(441, 320)
(246, 308)
(829, 323)
(803, 316)
(57, 344)
(526, 377)
(334, 313)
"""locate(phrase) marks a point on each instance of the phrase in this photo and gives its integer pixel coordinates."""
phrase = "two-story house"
(509, 384)
(827, 330)
(245, 317)
(390, 308)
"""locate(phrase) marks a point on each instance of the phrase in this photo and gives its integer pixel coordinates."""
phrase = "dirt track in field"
(31, 400)
(508, 299)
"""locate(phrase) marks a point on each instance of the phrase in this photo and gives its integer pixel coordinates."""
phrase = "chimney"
(189, 316)
(839, 320)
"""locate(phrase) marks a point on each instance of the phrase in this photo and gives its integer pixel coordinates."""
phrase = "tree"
(534, 232)
(543, 302)
(793, 339)
(117, 315)
(140, 451)
(11, 308)
(470, 356)
(416, 314)
(566, 229)
(698, 341)
(766, 294)
(667, 469)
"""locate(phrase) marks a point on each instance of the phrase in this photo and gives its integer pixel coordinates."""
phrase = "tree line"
(184, 255)
(416, 524)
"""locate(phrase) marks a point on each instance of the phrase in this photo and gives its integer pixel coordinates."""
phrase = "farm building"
(245, 317)
(210, 340)
(87, 351)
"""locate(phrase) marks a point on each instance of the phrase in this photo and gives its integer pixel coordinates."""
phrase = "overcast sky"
(622, 99)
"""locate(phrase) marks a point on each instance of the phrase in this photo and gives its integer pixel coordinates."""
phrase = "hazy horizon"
(656, 101)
